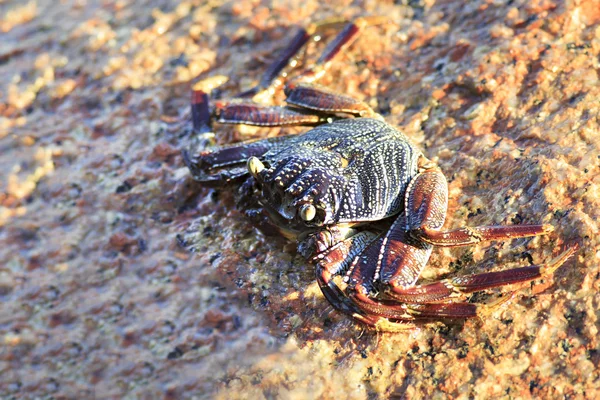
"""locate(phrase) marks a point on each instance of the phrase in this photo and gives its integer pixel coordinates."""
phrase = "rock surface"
(119, 277)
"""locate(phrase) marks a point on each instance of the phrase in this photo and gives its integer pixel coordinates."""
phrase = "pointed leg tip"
(547, 228)
(385, 325)
(485, 310)
(559, 260)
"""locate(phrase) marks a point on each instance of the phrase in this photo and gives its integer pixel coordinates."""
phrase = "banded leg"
(320, 99)
(427, 196)
(287, 59)
(247, 113)
(299, 95)
(393, 263)
(426, 204)
(473, 235)
(334, 261)
(456, 287)
(322, 103)
(278, 71)
(426, 303)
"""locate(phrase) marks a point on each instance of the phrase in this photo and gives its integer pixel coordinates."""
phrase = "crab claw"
(307, 212)
(255, 166)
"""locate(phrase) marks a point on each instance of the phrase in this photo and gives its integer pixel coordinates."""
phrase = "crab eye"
(307, 212)
(255, 166)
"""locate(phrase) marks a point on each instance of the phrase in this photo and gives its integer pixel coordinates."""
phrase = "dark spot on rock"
(517, 219)
(237, 322)
(528, 256)
(472, 214)
(181, 61)
(116, 308)
(74, 350)
(532, 385)
(181, 242)
(488, 346)
(361, 63)
(142, 245)
(147, 369)
(25, 235)
(92, 102)
(168, 328)
(52, 293)
(576, 46)
(124, 187)
(176, 353)
(566, 346)
(214, 257)
(264, 301)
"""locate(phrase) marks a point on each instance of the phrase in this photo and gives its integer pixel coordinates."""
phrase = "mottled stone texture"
(120, 277)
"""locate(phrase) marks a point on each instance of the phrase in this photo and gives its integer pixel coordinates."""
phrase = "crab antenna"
(255, 166)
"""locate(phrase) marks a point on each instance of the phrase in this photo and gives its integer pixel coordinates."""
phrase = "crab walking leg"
(426, 204)
(455, 287)
(359, 299)
(320, 99)
(248, 113)
(344, 39)
(473, 235)
(201, 115)
(454, 311)
(201, 120)
(333, 261)
(303, 96)
(284, 62)
(419, 303)
(278, 71)
(399, 260)
(393, 261)
(275, 69)
(428, 195)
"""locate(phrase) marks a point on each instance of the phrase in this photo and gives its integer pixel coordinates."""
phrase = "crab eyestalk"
(307, 212)
(255, 166)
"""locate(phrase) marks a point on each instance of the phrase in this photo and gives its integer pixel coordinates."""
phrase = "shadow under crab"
(359, 198)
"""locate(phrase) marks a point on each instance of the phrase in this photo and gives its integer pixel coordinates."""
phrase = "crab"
(360, 199)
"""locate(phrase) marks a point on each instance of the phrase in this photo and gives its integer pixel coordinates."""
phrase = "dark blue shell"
(352, 170)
